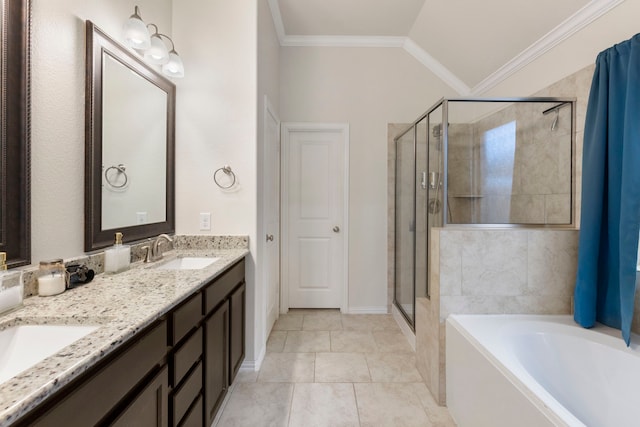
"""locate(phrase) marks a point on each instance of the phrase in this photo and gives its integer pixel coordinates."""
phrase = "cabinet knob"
(269, 237)
(336, 229)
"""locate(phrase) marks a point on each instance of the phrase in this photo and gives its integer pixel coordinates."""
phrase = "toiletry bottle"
(118, 257)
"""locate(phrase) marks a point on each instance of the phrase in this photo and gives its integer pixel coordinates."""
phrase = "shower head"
(555, 109)
(555, 119)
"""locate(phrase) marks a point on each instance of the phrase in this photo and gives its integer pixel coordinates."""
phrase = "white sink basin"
(25, 345)
(188, 263)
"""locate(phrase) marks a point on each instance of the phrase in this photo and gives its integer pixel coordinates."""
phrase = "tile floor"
(323, 368)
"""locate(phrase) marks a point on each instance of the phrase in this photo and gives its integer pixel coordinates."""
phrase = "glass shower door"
(405, 225)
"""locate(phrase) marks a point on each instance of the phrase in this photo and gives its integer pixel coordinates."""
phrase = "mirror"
(129, 168)
(15, 236)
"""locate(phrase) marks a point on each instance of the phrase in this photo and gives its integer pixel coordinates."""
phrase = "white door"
(271, 188)
(315, 161)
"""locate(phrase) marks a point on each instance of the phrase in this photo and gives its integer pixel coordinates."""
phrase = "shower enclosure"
(479, 162)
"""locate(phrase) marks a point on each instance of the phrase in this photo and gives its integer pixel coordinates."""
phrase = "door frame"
(287, 128)
(270, 111)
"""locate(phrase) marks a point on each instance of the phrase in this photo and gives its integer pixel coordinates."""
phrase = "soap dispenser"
(118, 257)
(11, 286)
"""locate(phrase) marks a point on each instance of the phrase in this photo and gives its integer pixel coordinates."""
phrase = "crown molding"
(583, 17)
(564, 30)
(436, 67)
(343, 41)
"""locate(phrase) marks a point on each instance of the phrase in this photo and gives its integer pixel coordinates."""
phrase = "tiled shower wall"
(491, 271)
(494, 182)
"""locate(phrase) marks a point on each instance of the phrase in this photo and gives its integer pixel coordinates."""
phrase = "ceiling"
(469, 44)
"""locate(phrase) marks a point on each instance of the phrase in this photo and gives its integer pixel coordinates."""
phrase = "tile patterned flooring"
(324, 368)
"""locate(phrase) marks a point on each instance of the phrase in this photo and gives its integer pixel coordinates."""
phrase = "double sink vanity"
(156, 345)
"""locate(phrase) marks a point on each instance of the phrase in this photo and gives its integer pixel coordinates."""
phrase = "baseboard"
(404, 326)
(368, 310)
(254, 365)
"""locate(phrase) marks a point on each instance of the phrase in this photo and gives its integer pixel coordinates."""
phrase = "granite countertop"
(120, 304)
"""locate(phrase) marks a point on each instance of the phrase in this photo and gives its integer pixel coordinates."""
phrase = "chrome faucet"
(153, 252)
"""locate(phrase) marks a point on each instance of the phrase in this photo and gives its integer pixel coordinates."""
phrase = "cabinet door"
(236, 336)
(216, 355)
(150, 407)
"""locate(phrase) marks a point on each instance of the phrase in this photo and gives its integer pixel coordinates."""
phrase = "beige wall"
(57, 114)
(216, 125)
(367, 87)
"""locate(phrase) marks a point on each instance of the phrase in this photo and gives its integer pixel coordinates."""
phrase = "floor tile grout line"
(355, 397)
(293, 392)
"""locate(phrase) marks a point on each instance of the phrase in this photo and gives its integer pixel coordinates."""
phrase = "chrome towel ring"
(120, 169)
(227, 171)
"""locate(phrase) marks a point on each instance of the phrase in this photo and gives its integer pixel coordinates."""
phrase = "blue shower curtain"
(610, 214)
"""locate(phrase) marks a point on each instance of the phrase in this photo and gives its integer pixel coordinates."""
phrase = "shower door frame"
(401, 309)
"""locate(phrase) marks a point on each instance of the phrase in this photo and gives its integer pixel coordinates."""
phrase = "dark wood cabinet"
(237, 328)
(149, 407)
(97, 396)
(216, 372)
(224, 336)
(175, 372)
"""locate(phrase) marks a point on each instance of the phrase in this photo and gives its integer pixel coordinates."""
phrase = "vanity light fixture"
(155, 50)
(157, 53)
(174, 67)
(135, 32)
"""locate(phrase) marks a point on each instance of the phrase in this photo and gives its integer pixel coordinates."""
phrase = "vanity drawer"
(185, 318)
(188, 391)
(216, 292)
(106, 387)
(194, 417)
(186, 356)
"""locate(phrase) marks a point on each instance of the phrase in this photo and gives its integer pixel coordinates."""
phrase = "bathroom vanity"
(168, 346)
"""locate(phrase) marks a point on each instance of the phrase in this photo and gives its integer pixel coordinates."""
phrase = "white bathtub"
(520, 370)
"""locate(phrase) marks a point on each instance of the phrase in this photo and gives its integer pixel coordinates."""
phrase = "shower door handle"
(336, 229)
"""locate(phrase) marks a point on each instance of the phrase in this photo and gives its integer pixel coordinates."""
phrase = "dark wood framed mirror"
(130, 145)
(15, 209)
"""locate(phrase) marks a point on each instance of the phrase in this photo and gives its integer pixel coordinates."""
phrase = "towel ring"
(120, 170)
(227, 170)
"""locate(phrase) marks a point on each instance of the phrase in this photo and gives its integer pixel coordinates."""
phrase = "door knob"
(269, 237)
(336, 229)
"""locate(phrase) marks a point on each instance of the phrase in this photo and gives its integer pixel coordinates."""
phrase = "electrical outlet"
(205, 221)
